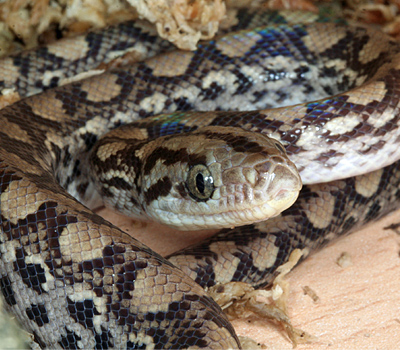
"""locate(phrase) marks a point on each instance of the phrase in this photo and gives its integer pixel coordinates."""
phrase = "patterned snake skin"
(74, 280)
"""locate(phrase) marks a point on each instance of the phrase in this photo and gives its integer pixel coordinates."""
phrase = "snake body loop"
(75, 281)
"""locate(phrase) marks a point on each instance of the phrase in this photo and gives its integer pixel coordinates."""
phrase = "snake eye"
(200, 182)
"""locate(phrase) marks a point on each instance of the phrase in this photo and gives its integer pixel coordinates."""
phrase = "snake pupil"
(200, 183)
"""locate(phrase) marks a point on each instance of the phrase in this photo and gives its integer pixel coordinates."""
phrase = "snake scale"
(74, 280)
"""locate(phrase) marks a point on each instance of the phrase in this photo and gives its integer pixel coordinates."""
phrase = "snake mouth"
(264, 211)
(231, 218)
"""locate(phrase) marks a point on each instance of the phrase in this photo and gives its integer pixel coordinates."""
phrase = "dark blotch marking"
(160, 189)
(33, 275)
(90, 139)
(213, 91)
(6, 179)
(117, 182)
(181, 189)
(166, 155)
(6, 289)
(49, 224)
(374, 148)
(70, 340)
(82, 312)
(103, 340)
(374, 210)
(243, 82)
(105, 192)
(188, 330)
(133, 346)
(81, 188)
(38, 340)
(238, 143)
(349, 224)
(38, 313)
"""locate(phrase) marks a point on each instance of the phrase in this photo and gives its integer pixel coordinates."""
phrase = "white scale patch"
(274, 81)
(274, 64)
(154, 103)
(80, 294)
(121, 118)
(142, 339)
(77, 77)
(96, 126)
(49, 75)
(307, 138)
(139, 49)
(282, 82)
(338, 64)
(341, 125)
(111, 174)
(6, 92)
(380, 120)
(36, 259)
(191, 93)
(8, 249)
(225, 79)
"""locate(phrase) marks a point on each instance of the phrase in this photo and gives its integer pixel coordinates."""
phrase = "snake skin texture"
(74, 280)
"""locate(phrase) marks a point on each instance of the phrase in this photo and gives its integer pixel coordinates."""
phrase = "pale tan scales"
(73, 279)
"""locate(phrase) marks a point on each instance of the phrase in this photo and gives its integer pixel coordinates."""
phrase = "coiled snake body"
(76, 281)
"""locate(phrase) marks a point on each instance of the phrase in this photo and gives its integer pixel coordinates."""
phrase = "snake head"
(213, 177)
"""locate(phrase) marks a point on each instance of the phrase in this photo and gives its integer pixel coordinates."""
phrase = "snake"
(73, 280)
